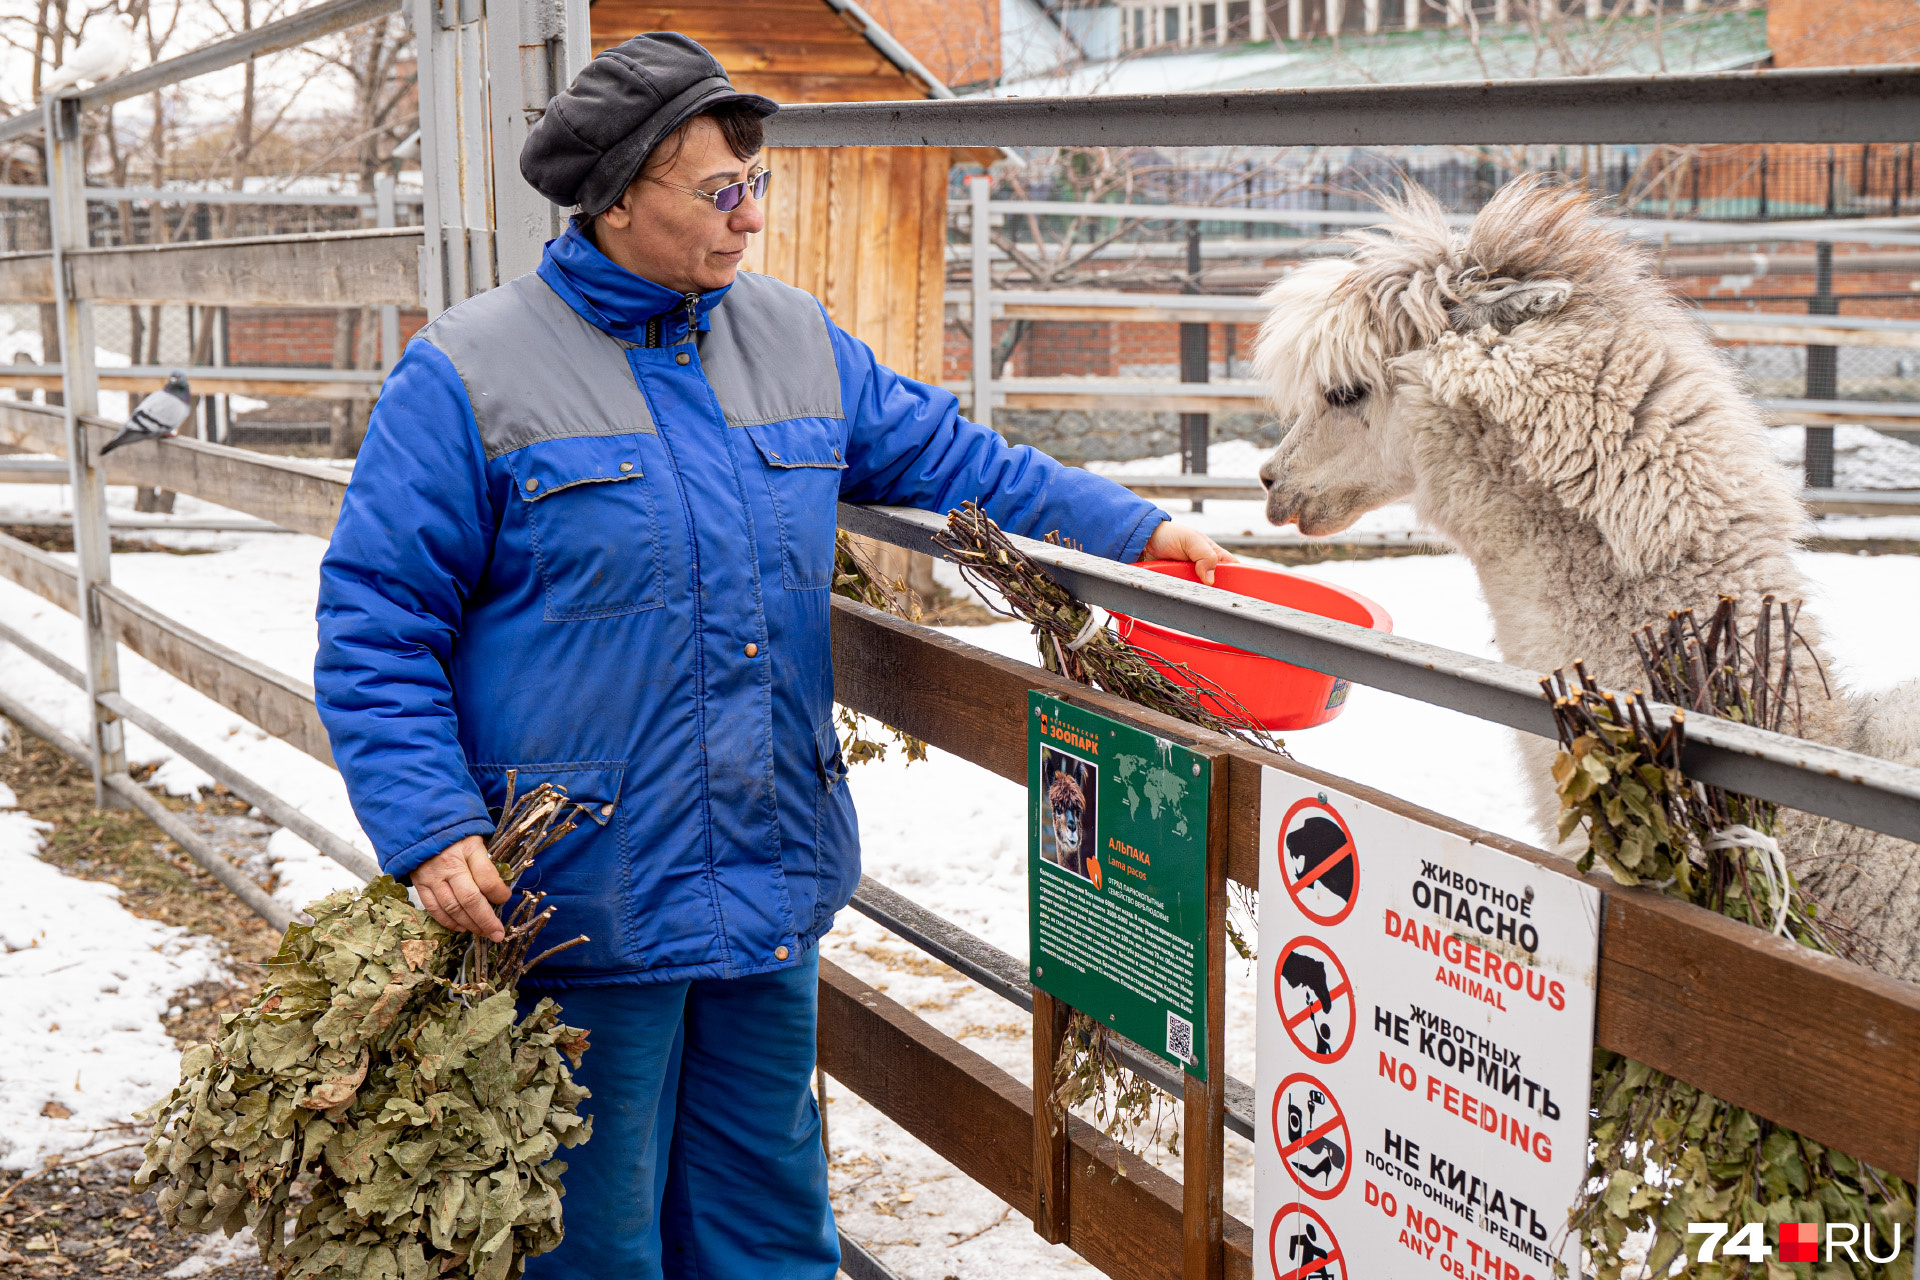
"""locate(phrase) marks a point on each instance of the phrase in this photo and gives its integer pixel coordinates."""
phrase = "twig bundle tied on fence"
(1073, 640)
(1666, 1154)
(381, 1075)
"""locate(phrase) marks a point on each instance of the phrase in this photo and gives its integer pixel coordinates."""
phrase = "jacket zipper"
(692, 303)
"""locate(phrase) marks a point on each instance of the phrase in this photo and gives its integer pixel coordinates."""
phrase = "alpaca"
(1551, 408)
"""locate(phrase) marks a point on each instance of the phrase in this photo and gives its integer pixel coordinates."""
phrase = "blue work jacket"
(590, 538)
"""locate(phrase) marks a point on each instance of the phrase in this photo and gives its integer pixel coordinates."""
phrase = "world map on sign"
(1160, 786)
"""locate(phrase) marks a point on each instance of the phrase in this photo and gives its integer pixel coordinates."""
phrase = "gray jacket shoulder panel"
(535, 369)
(769, 356)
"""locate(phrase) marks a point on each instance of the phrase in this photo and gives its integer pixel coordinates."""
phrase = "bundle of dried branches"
(526, 831)
(1664, 1152)
(1074, 645)
(382, 1075)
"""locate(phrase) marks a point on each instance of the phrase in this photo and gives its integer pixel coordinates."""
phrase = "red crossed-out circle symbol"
(1301, 1246)
(1315, 998)
(1319, 864)
(1310, 1133)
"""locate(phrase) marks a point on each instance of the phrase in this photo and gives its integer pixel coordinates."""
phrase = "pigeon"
(103, 55)
(158, 416)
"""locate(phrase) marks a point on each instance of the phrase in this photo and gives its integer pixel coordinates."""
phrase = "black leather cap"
(591, 143)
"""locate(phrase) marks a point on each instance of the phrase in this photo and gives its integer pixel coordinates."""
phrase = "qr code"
(1179, 1038)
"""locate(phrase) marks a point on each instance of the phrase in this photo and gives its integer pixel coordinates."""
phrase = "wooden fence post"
(80, 390)
(1052, 1149)
(1203, 1154)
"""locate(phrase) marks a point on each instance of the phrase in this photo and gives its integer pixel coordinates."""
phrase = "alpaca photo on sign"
(1544, 400)
(1067, 837)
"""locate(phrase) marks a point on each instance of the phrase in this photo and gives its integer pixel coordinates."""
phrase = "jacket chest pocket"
(803, 461)
(591, 524)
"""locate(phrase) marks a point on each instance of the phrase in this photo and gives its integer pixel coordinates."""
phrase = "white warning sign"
(1425, 1043)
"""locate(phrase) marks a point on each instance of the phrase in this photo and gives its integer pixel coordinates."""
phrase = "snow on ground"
(945, 833)
(1862, 457)
(83, 986)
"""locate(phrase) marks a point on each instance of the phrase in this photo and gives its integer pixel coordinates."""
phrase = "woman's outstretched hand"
(1177, 542)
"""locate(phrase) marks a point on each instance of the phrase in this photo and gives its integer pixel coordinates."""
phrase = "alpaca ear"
(1506, 304)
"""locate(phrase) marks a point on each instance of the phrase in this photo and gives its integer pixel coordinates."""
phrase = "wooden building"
(861, 228)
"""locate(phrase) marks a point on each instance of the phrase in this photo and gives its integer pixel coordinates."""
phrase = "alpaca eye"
(1346, 397)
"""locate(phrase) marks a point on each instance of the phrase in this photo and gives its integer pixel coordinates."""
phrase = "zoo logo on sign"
(1312, 990)
(1799, 1241)
(1319, 864)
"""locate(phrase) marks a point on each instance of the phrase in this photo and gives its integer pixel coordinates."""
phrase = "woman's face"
(659, 231)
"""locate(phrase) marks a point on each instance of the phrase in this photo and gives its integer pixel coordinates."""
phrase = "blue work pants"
(705, 1161)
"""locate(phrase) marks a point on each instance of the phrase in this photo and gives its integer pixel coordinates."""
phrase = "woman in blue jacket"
(590, 538)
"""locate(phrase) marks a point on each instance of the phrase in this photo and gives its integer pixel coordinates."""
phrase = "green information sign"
(1117, 876)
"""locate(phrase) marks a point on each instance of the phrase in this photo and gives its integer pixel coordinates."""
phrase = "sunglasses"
(728, 198)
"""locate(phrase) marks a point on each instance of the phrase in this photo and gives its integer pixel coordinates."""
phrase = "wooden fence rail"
(371, 268)
(1115, 307)
(273, 700)
(303, 496)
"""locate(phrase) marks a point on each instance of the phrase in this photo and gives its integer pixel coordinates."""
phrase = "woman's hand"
(1177, 542)
(459, 887)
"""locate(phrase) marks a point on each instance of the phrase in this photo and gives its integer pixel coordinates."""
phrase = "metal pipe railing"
(1821, 105)
(1856, 789)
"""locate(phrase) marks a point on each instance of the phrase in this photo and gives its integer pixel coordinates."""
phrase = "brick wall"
(280, 336)
(1090, 349)
(1823, 33)
(957, 40)
(292, 337)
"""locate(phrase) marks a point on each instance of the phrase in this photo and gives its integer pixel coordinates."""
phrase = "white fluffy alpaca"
(1547, 404)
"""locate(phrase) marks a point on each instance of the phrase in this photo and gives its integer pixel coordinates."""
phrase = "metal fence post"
(80, 390)
(1822, 373)
(1195, 428)
(386, 214)
(534, 49)
(979, 190)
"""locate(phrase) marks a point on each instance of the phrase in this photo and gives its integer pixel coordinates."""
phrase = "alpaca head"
(1346, 344)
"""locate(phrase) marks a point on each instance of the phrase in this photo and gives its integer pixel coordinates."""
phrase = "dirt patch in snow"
(59, 537)
(82, 1222)
(124, 849)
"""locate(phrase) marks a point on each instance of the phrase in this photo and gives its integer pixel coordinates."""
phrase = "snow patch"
(216, 1252)
(83, 985)
(1862, 457)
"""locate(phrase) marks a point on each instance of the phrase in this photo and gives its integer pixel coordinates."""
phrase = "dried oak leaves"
(415, 1113)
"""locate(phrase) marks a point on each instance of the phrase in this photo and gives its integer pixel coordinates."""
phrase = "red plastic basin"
(1277, 694)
